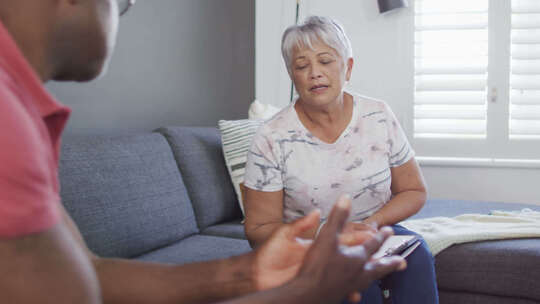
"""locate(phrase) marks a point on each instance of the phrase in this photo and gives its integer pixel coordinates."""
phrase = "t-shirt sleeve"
(263, 170)
(400, 149)
(28, 201)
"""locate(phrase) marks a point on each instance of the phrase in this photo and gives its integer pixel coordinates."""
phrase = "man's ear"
(350, 63)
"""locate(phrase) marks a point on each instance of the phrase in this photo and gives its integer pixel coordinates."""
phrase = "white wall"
(272, 84)
(384, 68)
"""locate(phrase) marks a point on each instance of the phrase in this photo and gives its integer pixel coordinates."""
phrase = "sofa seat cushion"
(125, 193)
(507, 268)
(197, 248)
(454, 297)
(199, 155)
(233, 229)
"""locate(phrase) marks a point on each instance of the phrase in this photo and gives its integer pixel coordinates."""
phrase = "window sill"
(427, 161)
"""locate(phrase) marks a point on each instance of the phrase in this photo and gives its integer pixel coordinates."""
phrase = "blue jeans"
(417, 284)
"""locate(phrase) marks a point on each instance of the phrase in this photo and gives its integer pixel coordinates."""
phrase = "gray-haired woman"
(329, 142)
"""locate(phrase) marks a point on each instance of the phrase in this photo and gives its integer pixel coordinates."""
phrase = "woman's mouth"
(318, 88)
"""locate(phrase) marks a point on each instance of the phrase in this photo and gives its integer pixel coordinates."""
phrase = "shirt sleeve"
(263, 169)
(28, 200)
(400, 149)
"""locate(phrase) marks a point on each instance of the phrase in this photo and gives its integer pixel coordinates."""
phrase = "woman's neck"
(329, 121)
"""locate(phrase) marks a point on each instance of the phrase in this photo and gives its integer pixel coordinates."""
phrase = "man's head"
(64, 39)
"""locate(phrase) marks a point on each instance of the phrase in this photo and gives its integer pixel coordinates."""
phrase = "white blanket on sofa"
(443, 232)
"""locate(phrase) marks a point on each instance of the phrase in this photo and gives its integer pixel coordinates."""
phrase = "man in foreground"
(43, 258)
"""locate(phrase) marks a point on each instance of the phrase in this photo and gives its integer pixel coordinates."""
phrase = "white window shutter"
(451, 59)
(525, 70)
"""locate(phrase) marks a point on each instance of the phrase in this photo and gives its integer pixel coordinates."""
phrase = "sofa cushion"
(232, 229)
(200, 159)
(503, 268)
(498, 268)
(125, 193)
(197, 248)
(453, 297)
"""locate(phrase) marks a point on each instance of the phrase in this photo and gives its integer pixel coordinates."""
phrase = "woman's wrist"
(375, 221)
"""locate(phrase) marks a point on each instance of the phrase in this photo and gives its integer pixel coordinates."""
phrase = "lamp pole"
(295, 22)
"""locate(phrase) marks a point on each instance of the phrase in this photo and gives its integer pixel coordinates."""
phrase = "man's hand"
(333, 275)
(279, 259)
(283, 257)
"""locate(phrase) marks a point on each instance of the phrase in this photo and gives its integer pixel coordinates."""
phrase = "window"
(525, 70)
(451, 60)
(477, 78)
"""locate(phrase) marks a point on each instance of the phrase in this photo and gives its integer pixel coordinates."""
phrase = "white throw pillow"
(258, 110)
(236, 138)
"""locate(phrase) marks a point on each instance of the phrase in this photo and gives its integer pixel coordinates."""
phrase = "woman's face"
(319, 74)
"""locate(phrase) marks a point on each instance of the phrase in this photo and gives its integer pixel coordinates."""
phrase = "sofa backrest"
(125, 193)
(199, 155)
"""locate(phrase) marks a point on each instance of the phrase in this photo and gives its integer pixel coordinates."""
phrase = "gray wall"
(177, 62)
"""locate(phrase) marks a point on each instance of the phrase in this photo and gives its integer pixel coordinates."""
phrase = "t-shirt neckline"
(343, 134)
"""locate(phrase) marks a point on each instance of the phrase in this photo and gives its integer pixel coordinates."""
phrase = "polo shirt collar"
(13, 61)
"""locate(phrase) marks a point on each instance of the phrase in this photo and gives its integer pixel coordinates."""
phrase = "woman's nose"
(315, 73)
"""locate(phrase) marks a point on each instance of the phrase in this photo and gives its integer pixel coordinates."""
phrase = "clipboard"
(402, 245)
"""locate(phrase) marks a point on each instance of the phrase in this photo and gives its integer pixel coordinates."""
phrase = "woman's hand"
(356, 233)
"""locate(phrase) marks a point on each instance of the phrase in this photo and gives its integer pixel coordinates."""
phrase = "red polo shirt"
(31, 122)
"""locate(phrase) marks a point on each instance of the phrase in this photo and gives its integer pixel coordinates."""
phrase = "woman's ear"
(350, 63)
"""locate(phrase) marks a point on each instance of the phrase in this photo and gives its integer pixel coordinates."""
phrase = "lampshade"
(388, 5)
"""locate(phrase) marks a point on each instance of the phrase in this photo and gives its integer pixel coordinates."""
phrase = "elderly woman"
(329, 142)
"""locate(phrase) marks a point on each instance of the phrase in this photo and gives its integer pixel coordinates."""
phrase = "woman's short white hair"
(315, 28)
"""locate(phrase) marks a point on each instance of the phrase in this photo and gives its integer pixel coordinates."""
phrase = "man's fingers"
(355, 297)
(301, 225)
(373, 244)
(377, 269)
(338, 216)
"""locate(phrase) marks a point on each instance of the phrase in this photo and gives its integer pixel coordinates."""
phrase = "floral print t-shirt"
(313, 174)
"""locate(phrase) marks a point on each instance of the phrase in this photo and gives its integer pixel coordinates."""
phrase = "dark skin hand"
(348, 273)
(326, 274)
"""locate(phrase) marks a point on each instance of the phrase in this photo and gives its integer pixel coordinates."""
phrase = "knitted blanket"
(443, 232)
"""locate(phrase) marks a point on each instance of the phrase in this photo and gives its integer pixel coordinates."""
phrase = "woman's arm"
(264, 214)
(409, 195)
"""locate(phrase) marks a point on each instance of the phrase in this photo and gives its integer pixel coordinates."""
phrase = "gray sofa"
(166, 197)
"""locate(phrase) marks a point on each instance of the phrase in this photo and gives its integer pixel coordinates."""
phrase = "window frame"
(497, 144)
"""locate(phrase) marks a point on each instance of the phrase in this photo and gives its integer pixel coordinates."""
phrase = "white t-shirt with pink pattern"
(313, 174)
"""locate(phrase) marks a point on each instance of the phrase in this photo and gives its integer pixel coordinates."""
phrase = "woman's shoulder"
(280, 122)
(369, 106)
